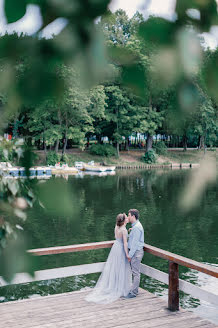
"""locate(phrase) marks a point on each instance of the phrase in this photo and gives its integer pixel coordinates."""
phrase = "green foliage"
(11, 151)
(156, 30)
(65, 159)
(160, 148)
(52, 158)
(3, 158)
(207, 9)
(150, 157)
(103, 150)
(14, 10)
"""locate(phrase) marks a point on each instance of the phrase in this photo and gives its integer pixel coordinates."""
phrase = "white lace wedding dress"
(116, 278)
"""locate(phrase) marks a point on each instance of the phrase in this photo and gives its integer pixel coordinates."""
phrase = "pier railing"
(171, 279)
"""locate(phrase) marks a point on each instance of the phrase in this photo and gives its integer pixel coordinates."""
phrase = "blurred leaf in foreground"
(15, 10)
(200, 178)
(211, 75)
(14, 258)
(56, 197)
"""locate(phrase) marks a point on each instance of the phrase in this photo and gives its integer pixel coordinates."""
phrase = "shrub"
(2, 156)
(64, 159)
(52, 158)
(103, 150)
(150, 157)
(160, 148)
(7, 151)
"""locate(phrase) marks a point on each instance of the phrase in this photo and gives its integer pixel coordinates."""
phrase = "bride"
(116, 278)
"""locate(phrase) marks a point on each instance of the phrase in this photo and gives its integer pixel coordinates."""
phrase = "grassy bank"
(132, 157)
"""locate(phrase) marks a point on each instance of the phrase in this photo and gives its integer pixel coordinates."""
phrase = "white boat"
(94, 168)
(91, 166)
(79, 165)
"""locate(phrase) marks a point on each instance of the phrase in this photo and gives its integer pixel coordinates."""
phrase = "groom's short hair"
(134, 212)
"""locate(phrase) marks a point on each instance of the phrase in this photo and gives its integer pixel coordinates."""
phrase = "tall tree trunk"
(118, 150)
(184, 142)
(88, 142)
(98, 137)
(127, 144)
(178, 140)
(38, 144)
(149, 142)
(57, 146)
(44, 144)
(65, 145)
(201, 143)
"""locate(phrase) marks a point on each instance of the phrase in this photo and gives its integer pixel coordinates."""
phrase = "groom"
(136, 250)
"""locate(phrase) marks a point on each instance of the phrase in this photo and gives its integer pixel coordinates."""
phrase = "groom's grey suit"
(136, 252)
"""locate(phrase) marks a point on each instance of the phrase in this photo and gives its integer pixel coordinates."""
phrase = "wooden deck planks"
(71, 310)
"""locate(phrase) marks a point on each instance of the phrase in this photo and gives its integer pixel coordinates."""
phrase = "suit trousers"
(135, 267)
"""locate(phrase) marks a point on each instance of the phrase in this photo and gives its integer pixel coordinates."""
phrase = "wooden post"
(173, 291)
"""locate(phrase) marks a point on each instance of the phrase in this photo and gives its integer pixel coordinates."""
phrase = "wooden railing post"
(173, 291)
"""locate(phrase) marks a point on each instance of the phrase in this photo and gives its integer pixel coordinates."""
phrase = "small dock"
(72, 310)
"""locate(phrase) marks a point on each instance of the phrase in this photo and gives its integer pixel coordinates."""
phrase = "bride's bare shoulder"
(123, 229)
(120, 230)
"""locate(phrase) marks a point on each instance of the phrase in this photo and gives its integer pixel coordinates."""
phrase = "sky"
(32, 21)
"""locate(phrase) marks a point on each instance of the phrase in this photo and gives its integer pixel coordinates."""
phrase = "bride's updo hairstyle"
(120, 219)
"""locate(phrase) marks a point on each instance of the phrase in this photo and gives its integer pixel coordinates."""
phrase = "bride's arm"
(125, 244)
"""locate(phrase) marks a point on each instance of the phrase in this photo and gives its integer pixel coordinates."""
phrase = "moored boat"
(94, 168)
(110, 168)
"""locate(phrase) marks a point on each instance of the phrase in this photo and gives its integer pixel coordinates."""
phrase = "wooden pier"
(72, 310)
(159, 166)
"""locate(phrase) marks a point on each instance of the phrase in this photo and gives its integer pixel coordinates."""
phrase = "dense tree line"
(110, 108)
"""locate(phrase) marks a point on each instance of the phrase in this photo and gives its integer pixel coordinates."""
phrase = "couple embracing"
(121, 274)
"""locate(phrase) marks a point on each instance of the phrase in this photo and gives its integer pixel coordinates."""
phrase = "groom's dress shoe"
(130, 296)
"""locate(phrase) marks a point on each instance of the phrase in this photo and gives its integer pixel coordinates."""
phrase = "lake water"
(96, 202)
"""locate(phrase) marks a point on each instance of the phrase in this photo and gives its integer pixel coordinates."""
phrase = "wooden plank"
(198, 292)
(114, 321)
(71, 248)
(75, 298)
(173, 291)
(154, 273)
(103, 321)
(61, 311)
(170, 322)
(184, 286)
(181, 260)
(208, 269)
(188, 323)
(64, 316)
(76, 312)
(81, 316)
(63, 272)
(78, 302)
